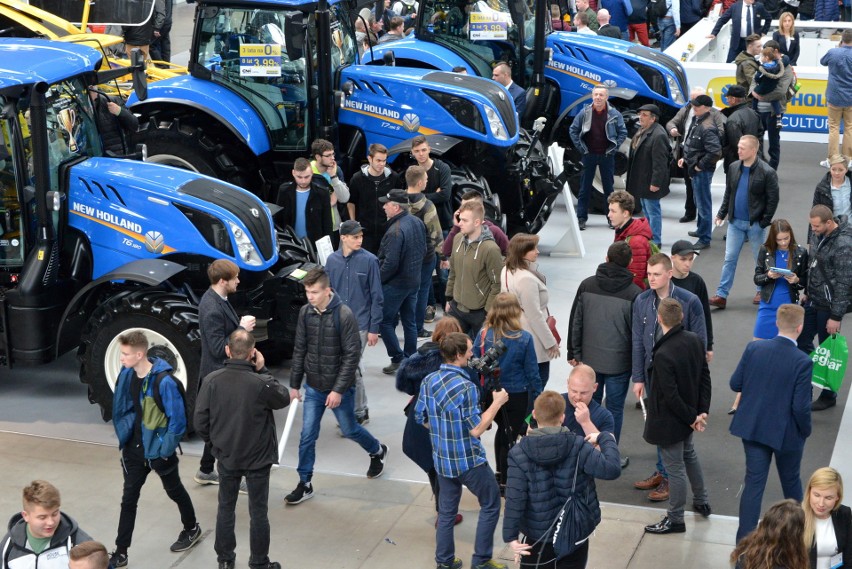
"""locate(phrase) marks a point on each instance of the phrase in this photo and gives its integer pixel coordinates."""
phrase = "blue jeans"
(591, 162)
(423, 294)
(703, 203)
(758, 457)
(667, 32)
(482, 484)
(257, 482)
(654, 215)
(770, 125)
(313, 406)
(737, 232)
(616, 392)
(402, 302)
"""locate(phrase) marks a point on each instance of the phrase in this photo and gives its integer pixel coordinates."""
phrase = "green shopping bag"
(830, 363)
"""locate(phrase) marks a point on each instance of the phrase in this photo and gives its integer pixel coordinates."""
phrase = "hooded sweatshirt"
(637, 233)
(475, 268)
(602, 320)
(16, 552)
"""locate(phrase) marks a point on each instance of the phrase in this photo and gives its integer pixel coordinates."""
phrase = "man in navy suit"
(741, 28)
(502, 73)
(216, 320)
(774, 416)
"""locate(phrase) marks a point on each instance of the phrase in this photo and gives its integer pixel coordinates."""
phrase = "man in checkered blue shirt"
(448, 405)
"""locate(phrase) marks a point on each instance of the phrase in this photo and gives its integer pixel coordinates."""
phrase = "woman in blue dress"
(780, 251)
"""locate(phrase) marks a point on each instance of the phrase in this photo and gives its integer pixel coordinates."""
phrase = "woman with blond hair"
(787, 36)
(522, 278)
(518, 373)
(778, 541)
(828, 523)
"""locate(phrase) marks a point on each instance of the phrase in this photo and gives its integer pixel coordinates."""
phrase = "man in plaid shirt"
(448, 405)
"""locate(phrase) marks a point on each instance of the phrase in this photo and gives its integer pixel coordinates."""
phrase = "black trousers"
(510, 423)
(816, 319)
(689, 205)
(542, 557)
(136, 469)
(471, 322)
(257, 482)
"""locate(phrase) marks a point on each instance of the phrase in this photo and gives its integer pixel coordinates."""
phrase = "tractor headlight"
(497, 128)
(245, 249)
(674, 88)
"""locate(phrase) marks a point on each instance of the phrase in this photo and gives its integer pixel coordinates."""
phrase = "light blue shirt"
(301, 204)
(841, 198)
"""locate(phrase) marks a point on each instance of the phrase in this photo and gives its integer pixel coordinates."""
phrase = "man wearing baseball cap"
(648, 170)
(401, 255)
(683, 255)
(355, 278)
(742, 119)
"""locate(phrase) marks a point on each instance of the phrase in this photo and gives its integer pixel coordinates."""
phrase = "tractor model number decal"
(392, 120)
(260, 60)
(152, 240)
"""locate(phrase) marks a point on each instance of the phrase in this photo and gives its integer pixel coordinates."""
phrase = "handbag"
(551, 323)
(830, 360)
(574, 524)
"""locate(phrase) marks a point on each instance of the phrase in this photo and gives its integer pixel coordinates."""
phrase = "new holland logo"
(154, 241)
(411, 122)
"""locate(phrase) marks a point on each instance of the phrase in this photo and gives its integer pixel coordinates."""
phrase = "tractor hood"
(145, 211)
(596, 59)
(29, 61)
(394, 104)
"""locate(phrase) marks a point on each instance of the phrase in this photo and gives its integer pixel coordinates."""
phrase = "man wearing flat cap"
(401, 255)
(648, 167)
(355, 278)
(702, 148)
(741, 119)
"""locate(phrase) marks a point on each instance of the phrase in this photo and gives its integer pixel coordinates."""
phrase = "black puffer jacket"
(830, 281)
(762, 192)
(765, 260)
(541, 471)
(115, 130)
(327, 349)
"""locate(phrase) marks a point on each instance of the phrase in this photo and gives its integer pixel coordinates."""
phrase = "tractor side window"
(11, 236)
(247, 50)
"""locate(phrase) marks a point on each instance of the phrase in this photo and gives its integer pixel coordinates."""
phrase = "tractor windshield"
(259, 54)
(11, 234)
(482, 32)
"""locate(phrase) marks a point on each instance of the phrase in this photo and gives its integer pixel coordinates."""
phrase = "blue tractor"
(268, 77)
(92, 246)
(558, 69)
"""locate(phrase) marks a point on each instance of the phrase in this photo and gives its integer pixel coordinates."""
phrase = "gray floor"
(358, 514)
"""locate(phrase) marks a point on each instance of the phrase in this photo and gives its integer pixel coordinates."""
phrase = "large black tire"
(182, 145)
(169, 320)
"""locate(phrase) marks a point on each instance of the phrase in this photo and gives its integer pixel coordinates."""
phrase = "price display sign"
(488, 26)
(260, 60)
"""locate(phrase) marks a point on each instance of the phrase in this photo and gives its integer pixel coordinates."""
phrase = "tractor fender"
(148, 272)
(206, 98)
(428, 55)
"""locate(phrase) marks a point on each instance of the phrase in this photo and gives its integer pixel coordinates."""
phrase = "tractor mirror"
(140, 79)
(294, 33)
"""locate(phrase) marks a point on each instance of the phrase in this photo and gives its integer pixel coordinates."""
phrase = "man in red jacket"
(636, 232)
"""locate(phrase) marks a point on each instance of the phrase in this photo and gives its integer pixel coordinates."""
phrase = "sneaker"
(304, 491)
(424, 333)
(491, 564)
(430, 315)
(243, 486)
(204, 478)
(270, 565)
(377, 463)
(186, 539)
(226, 565)
(625, 460)
(391, 369)
(779, 123)
(118, 559)
(825, 163)
(582, 224)
(456, 563)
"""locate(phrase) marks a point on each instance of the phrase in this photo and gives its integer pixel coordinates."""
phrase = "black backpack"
(658, 8)
(158, 399)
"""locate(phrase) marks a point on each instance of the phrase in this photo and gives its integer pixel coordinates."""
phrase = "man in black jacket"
(742, 119)
(234, 414)
(746, 17)
(115, 123)
(829, 286)
(305, 203)
(751, 197)
(373, 181)
(601, 329)
(326, 353)
(678, 403)
(648, 170)
(217, 319)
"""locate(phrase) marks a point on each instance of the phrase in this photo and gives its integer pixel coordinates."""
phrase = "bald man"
(584, 415)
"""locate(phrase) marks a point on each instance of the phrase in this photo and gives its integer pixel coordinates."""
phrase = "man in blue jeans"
(448, 405)
(601, 331)
(326, 353)
(597, 132)
(751, 197)
(702, 148)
